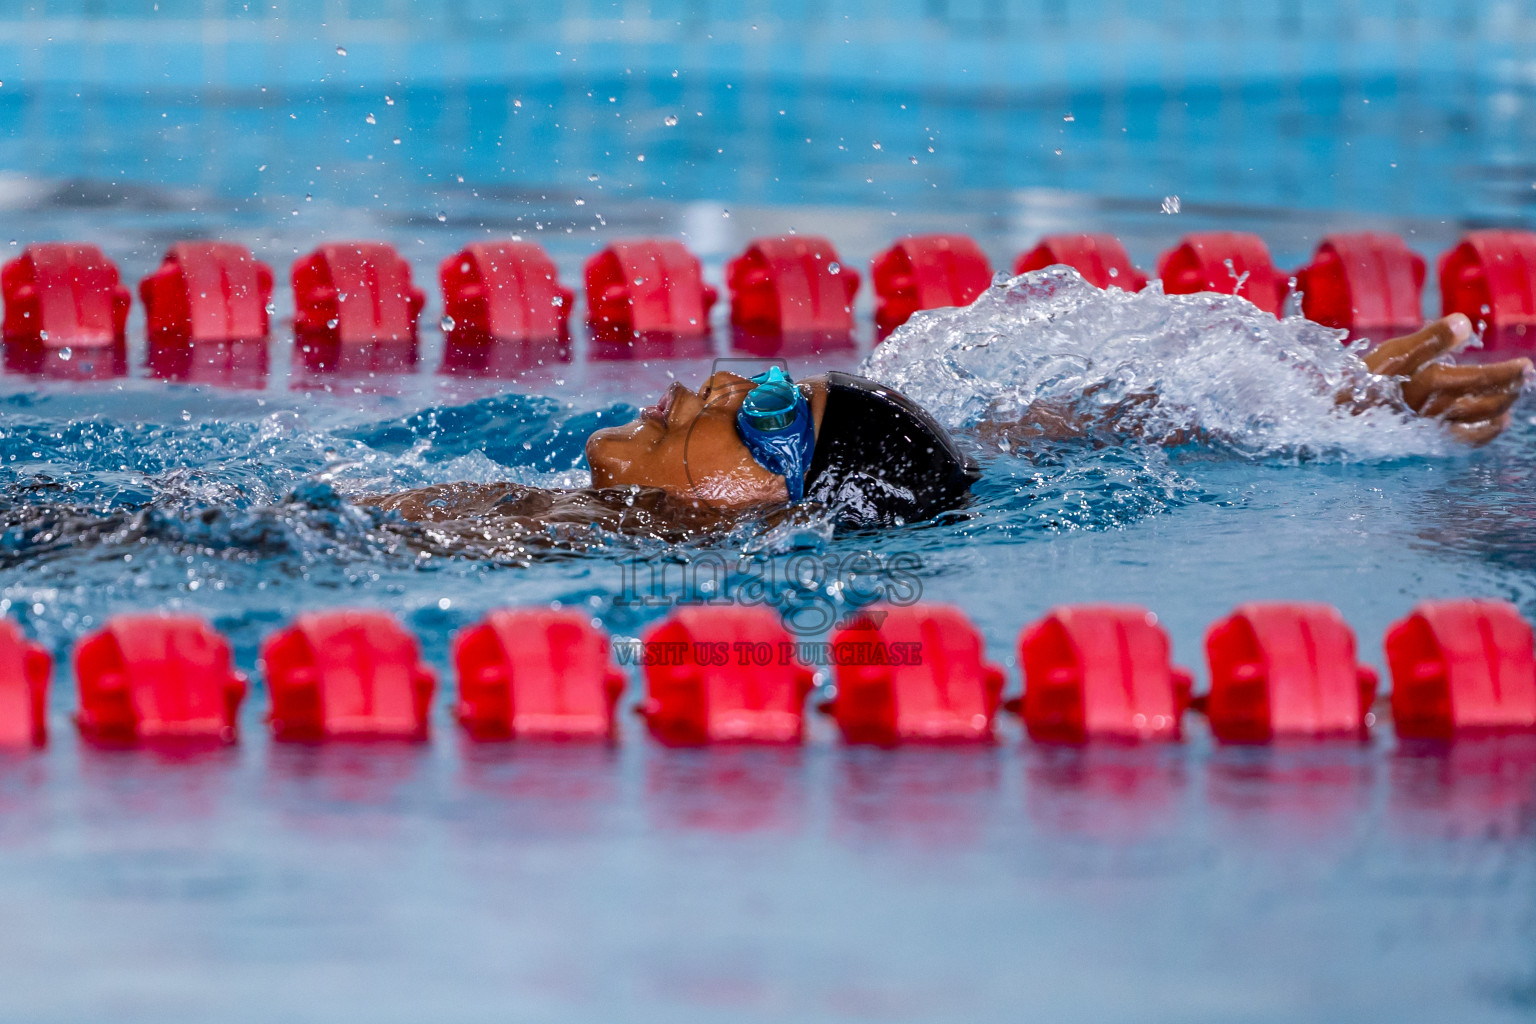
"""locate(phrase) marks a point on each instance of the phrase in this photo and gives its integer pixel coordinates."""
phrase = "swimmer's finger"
(1477, 408)
(1439, 379)
(1440, 403)
(1402, 357)
(1478, 434)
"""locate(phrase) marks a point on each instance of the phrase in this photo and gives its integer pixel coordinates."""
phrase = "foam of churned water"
(1165, 368)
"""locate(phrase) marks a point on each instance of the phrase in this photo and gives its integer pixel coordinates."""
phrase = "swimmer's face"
(687, 445)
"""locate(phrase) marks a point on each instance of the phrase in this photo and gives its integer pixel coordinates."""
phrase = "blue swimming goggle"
(775, 425)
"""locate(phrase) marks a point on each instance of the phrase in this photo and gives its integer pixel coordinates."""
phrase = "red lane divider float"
(1285, 669)
(536, 674)
(66, 311)
(1100, 672)
(504, 309)
(1461, 665)
(926, 272)
(157, 677)
(355, 309)
(913, 675)
(25, 668)
(791, 295)
(206, 315)
(726, 674)
(648, 298)
(1491, 277)
(1227, 262)
(1368, 283)
(1101, 259)
(723, 675)
(347, 675)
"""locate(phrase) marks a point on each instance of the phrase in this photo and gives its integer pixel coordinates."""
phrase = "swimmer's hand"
(1474, 400)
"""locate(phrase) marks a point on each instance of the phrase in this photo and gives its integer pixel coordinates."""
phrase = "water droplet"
(341, 51)
(1114, 271)
(670, 121)
(834, 268)
(1485, 309)
(271, 309)
(389, 101)
(371, 119)
(517, 103)
(66, 353)
(1068, 118)
(1170, 204)
(397, 141)
(446, 323)
(308, 198)
(557, 301)
(186, 416)
(443, 604)
(1058, 152)
(580, 201)
(332, 322)
(877, 145)
(723, 213)
(442, 218)
(591, 177)
(641, 158)
(43, 335)
(913, 159)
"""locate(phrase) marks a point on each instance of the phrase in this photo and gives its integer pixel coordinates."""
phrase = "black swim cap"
(880, 459)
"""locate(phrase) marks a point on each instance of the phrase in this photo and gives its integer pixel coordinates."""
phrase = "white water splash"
(1164, 368)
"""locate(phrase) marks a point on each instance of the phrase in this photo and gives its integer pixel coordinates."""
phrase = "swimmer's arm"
(1071, 419)
(445, 502)
(1473, 400)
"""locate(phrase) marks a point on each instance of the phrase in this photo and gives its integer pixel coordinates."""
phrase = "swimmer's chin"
(605, 450)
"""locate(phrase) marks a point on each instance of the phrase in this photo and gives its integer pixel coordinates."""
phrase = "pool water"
(1334, 881)
(457, 882)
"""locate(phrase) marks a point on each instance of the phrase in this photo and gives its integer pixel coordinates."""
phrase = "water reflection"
(24, 794)
(166, 781)
(334, 786)
(538, 787)
(726, 789)
(940, 797)
(1471, 787)
(1106, 791)
(1297, 790)
(238, 364)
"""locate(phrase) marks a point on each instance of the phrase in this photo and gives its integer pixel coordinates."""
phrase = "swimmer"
(697, 459)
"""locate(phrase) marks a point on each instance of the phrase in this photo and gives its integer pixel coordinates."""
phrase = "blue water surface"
(459, 882)
(452, 882)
